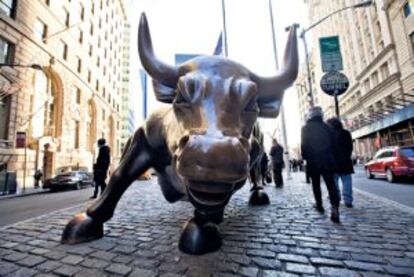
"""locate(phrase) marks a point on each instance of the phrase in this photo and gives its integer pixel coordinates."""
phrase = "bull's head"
(216, 102)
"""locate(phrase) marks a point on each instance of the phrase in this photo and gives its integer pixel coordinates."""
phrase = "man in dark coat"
(276, 154)
(100, 168)
(264, 169)
(343, 155)
(318, 144)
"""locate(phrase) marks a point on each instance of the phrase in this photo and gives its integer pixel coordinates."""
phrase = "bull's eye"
(185, 91)
(179, 99)
(252, 105)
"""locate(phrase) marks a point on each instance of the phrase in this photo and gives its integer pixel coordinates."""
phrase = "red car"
(392, 162)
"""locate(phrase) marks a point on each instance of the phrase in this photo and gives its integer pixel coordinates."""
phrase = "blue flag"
(218, 51)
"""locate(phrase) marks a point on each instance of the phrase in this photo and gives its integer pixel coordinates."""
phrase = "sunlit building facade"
(127, 109)
(62, 65)
(377, 50)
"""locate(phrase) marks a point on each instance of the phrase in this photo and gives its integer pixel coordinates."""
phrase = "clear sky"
(193, 27)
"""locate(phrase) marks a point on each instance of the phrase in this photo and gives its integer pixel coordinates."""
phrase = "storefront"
(396, 128)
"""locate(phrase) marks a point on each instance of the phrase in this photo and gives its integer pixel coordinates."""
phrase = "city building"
(127, 109)
(377, 49)
(61, 83)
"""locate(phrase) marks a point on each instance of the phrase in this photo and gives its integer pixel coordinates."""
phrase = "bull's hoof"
(82, 228)
(259, 198)
(199, 238)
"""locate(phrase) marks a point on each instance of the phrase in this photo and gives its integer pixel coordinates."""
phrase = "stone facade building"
(127, 109)
(377, 49)
(61, 83)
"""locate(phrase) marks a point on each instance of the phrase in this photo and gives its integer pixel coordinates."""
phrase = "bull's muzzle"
(212, 166)
(209, 159)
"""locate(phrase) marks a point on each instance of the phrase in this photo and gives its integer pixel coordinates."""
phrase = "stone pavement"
(286, 238)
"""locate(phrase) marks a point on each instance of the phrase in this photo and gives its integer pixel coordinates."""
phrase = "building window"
(79, 68)
(82, 12)
(385, 72)
(80, 36)
(90, 50)
(77, 134)
(6, 51)
(92, 8)
(64, 50)
(8, 7)
(103, 114)
(407, 9)
(67, 17)
(91, 29)
(47, 2)
(97, 86)
(40, 29)
(375, 80)
(89, 76)
(78, 95)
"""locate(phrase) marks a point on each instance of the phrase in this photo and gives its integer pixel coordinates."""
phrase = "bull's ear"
(271, 89)
(163, 93)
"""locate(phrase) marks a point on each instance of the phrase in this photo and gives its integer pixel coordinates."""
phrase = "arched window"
(42, 106)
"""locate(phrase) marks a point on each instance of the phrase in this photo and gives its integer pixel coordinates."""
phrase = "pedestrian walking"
(317, 145)
(343, 155)
(100, 168)
(37, 176)
(264, 169)
(276, 154)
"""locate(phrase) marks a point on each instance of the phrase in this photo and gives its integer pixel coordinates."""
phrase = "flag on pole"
(218, 51)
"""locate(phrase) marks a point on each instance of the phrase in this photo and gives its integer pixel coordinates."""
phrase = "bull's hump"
(215, 65)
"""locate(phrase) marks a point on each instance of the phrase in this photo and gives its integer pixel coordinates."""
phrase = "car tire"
(390, 175)
(368, 173)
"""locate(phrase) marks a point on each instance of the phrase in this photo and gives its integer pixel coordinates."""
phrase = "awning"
(388, 120)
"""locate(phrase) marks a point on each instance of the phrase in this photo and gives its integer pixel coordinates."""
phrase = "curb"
(387, 201)
(8, 196)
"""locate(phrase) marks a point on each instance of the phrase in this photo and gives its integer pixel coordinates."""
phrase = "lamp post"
(305, 45)
(282, 112)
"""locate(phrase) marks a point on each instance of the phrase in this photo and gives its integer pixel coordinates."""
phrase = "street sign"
(331, 57)
(334, 83)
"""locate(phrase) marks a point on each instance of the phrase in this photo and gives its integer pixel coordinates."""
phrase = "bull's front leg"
(200, 234)
(135, 160)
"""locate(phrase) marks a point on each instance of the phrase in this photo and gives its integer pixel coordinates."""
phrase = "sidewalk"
(286, 238)
(27, 192)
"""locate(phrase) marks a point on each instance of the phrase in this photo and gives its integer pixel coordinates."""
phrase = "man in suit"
(100, 168)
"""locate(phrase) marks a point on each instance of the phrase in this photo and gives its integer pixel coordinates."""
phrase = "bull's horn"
(271, 89)
(158, 70)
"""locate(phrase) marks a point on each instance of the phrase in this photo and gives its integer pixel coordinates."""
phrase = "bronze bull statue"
(201, 147)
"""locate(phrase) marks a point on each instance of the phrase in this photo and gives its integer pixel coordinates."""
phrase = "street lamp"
(302, 36)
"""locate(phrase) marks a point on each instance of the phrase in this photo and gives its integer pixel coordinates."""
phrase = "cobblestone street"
(286, 238)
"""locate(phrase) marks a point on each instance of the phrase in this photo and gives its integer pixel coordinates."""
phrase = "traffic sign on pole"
(331, 57)
(334, 83)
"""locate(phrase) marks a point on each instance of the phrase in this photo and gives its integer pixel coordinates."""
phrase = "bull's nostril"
(183, 141)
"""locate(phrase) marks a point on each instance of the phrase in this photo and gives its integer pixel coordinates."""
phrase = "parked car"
(391, 162)
(69, 177)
